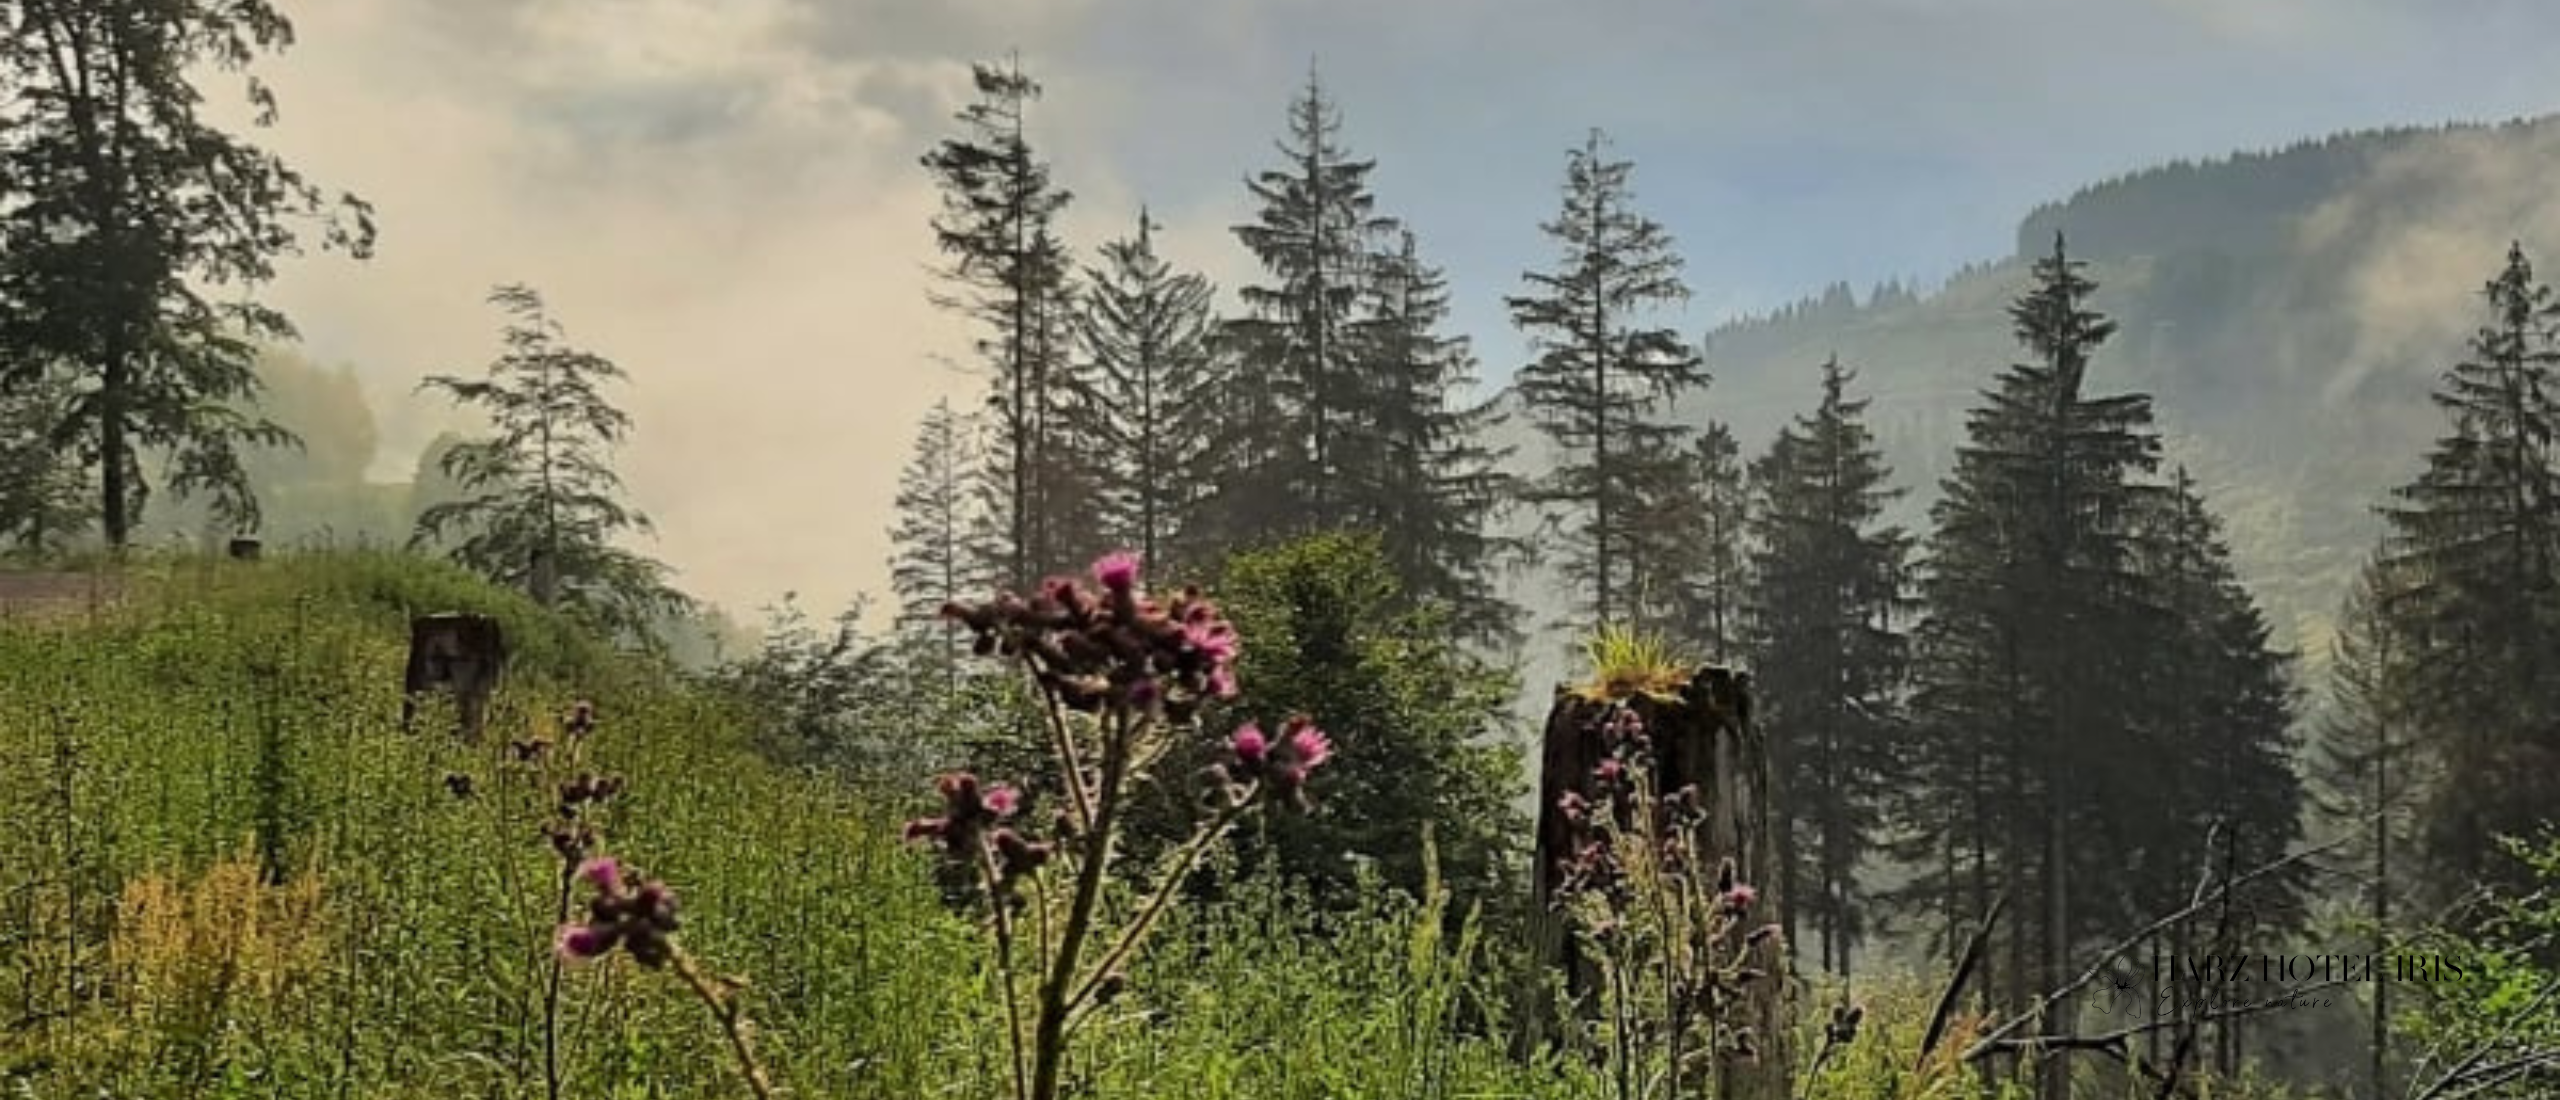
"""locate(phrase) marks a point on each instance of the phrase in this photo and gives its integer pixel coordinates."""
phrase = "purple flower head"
(1307, 745)
(639, 921)
(1300, 750)
(581, 942)
(1738, 900)
(1000, 801)
(1249, 745)
(1117, 571)
(1017, 856)
(604, 873)
(1214, 640)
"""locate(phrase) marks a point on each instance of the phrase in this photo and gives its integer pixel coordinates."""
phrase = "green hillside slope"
(226, 872)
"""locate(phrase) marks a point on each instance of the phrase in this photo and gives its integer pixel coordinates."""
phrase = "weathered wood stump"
(459, 654)
(1701, 736)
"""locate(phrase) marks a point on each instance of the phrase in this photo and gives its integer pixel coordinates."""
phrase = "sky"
(723, 196)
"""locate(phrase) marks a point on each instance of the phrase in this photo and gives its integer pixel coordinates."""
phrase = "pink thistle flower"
(1001, 800)
(581, 942)
(1610, 770)
(1307, 744)
(1222, 682)
(1739, 898)
(1117, 571)
(603, 873)
(1249, 744)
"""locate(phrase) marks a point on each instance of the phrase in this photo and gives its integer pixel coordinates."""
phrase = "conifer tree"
(1601, 373)
(939, 550)
(1688, 563)
(1829, 612)
(1146, 334)
(131, 231)
(1316, 233)
(1008, 271)
(2366, 773)
(541, 504)
(1417, 467)
(2033, 584)
(2220, 733)
(2477, 537)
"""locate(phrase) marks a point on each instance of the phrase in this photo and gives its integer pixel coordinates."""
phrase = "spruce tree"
(2032, 592)
(2477, 535)
(541, 504)
(2366, 775)
(1829, 612)
(1008, 271)
(1146, 334)
(1687, 558)
(132, 231)
(939, 552)
(2219, 733)
(1417, 467)
(1316, 233)
(1602, 372)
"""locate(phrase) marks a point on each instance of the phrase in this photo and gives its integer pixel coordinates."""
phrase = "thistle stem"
(1184, 860)
(724, 1007)
(1004, 966)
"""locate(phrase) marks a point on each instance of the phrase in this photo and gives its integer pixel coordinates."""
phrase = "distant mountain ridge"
(2288, 311)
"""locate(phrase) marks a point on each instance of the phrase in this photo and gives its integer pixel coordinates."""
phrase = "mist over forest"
(1120, 549)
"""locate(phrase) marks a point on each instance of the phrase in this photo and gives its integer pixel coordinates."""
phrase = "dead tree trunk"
(461, 654)
(1703, 736)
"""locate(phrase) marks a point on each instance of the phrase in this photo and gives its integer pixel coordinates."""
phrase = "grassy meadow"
(227, 872)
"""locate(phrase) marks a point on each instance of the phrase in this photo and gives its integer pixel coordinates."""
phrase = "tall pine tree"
(2477, 538)
(1009, 272)
(1420, 471)
(2033, 591)
(1146, 335)
(2366, 773)
(1689, 564)
(1602, 372)
(1829, 611)
(2220, 729)
(541, 505)
(939, 549)
(1316, 233)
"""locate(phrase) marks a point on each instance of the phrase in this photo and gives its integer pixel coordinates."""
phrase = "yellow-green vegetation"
(226, 872)
(1626, 662)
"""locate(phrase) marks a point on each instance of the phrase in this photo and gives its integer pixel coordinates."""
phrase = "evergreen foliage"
(542, 505)
(1601, 374)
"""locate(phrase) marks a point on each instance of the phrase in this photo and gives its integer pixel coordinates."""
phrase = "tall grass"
(225, 872)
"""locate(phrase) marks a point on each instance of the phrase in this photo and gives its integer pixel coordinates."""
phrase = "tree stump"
(1703, 736)
(458, 654)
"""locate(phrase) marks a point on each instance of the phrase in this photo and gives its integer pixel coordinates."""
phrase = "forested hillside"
(2288, 311)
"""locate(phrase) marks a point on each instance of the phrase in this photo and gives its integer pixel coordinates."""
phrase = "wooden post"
(1702, 736)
